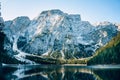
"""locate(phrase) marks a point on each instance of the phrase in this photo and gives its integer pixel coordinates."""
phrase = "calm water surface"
(57, 72)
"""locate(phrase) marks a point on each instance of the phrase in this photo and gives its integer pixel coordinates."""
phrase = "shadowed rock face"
(5, 56)
(1, 51)
(2, 35)
(56, 34)
(1, 23)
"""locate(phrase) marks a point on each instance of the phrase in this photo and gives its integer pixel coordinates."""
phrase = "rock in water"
(56, 34)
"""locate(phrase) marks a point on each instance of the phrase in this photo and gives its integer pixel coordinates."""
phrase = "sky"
(90, 10)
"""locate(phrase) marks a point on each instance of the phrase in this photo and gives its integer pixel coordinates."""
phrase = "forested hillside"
(109, 54)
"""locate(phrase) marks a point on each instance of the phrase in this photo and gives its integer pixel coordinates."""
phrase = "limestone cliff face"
(56, 34)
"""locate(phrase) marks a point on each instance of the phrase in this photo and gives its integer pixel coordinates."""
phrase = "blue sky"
(90, 10)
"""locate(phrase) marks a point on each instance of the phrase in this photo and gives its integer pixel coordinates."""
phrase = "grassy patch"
(41, 60)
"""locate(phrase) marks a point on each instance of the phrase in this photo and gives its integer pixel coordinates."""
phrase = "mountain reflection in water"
(57, 72)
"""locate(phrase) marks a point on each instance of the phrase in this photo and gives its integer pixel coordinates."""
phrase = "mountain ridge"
(55, 34)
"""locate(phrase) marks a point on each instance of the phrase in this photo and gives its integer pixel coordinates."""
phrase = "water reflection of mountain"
(52, 72)
(108, 74)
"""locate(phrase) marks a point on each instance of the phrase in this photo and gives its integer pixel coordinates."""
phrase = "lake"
(60, 72)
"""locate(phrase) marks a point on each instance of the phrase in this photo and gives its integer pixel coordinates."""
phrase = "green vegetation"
(42, 60)
(56, 55)
(76, 61)
(7, 59)
(109, 54)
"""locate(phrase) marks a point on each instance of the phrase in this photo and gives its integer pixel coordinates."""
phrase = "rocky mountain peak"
(118, 26)
(54, 11)
(57, 35)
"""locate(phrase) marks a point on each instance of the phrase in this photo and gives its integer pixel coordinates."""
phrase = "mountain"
(55, 34)
(108, 54)
(4, 56)
(118, 25)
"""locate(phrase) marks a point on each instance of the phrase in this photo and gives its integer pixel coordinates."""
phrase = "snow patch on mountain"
(56, 34)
